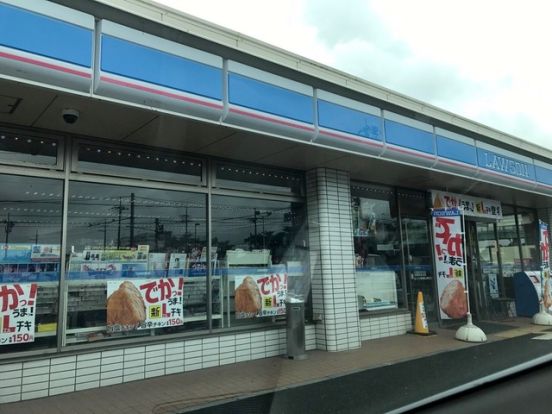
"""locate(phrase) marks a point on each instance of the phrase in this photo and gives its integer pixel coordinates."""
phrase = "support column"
(334, 296)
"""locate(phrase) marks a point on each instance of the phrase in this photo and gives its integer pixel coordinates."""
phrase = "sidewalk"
(181, 392)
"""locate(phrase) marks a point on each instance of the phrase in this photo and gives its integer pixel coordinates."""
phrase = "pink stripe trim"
(45, 65)
(160, 92)
(365, 141)
(429, 157)
(506, 176)
(270, 119)
(457, 164)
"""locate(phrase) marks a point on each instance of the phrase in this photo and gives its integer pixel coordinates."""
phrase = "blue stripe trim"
(499, 163)
(408, 137)
(24, 277)
(265, 97)
(142, 63)
(543, 175)
(45, 36)
(455, 150)
(351, 121)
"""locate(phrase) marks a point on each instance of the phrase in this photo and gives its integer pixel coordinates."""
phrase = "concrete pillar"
(334, 296)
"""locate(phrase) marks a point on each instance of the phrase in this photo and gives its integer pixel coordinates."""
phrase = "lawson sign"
(506, 165)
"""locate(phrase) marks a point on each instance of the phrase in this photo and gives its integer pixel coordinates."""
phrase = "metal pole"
(464, 258)
(131, 220)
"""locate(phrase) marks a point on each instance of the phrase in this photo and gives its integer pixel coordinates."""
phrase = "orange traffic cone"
(420, 326)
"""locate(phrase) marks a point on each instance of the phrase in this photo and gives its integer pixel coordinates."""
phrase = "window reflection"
(262, 253)
(136, 261)
(30, 231)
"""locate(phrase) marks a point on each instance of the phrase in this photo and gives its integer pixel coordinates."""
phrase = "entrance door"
(483, 267)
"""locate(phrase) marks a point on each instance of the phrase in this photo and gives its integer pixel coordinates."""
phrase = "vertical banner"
(449, 263)
(17, 313)
(544, 246)
(260, 295)
(144, 303)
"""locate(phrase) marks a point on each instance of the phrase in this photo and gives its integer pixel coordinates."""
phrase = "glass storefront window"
(528, 237)
(136, 262)
(261, 251)
(508, 243)
(417, 251)
(377, 248)
(30, 231)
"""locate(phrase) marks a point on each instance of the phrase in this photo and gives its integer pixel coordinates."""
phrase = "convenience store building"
(165, 183)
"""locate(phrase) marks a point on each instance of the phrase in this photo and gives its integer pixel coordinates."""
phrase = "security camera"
(70, 116)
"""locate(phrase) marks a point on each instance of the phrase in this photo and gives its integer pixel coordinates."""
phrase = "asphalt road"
(388, 388)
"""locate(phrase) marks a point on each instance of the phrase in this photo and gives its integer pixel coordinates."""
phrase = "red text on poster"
(17, 313)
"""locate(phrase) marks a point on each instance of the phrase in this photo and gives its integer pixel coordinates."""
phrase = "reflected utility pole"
(131, 220)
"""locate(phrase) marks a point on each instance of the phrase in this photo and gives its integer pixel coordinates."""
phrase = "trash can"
(295, 311)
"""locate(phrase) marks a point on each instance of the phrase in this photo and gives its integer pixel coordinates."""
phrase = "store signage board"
(449, 263)
(544, 246)
(17, 313)
(260, 295)
(472, 206)
(144, 303)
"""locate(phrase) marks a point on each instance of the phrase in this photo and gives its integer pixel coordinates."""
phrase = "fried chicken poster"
(260, 295)
(449, 263)
(144, 303)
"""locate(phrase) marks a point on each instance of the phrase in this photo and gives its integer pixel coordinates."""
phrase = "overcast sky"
(490, 61)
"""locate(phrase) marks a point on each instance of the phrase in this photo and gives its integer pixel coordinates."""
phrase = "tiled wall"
(380, 326)
(334, 297)
(57, 375)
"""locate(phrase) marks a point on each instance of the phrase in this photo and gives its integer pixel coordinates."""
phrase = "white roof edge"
(201, 28)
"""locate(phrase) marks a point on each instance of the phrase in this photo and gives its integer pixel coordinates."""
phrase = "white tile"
(34, 394)
(112, 367)
(11, 374)
(87, 378)
(10, 382)
(153, 360)
(193, 354)
(37, 386)
(18, 366)
(113, 353)
(192, 367)
(61, 375)
(63, 360)
(10, 398)
(87, 357)
(62, 390)
(154, 373)
(135, 350)
(111, 381)
(63, 367)
(209, 364)
(87, 371)
(87, 385)
(62, 382)
(10, 390)
(155, 348)
(36, 371)
(133, 363)
(174, 369)
(133, 377)
(36, 378)
(35, 364)
(87, 363)
(132, 371)
(227, 361)
(111, 374)
(112, 360)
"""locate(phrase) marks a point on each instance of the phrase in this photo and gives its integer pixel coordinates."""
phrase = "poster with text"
(449, 263)
(144, 303)
(260, 295)
(544, 247)
(17, 313)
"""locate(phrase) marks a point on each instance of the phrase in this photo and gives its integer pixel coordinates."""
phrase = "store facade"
(163, 193)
